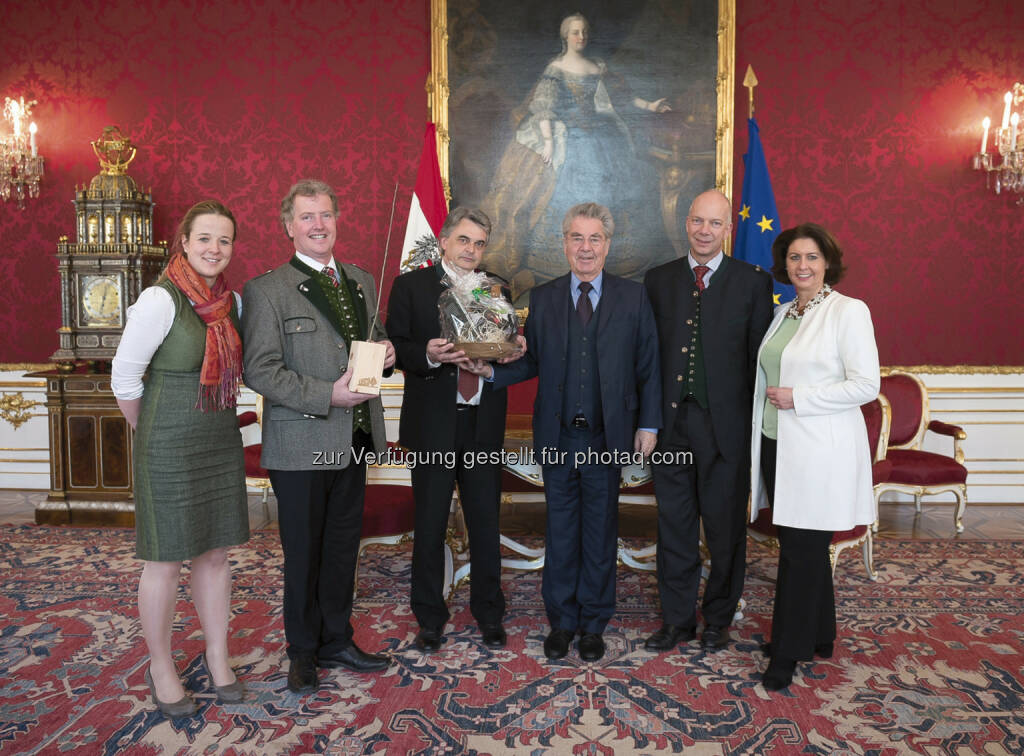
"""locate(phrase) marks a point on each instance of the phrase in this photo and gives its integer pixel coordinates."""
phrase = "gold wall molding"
(984, 411)
(14, 408)
(725, 133)
(956, 369)
(33, 367)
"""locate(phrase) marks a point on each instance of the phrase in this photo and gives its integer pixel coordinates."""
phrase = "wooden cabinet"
(90, 452)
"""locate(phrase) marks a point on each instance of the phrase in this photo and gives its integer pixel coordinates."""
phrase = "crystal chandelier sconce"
(21, 166)
(1008, 174)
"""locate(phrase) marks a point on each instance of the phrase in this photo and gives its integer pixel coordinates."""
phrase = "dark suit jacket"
(294, 352)
(428, 404)
(627, 354)
(736, 309)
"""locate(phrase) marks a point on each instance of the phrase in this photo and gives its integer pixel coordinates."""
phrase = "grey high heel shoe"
(226, 694)
(185, 707)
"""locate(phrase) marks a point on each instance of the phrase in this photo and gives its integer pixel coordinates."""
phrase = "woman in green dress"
(190, 498)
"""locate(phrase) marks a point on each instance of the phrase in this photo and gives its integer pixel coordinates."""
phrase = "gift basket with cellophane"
(477, 317)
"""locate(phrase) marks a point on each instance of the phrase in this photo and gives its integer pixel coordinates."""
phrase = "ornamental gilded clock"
(113, 259)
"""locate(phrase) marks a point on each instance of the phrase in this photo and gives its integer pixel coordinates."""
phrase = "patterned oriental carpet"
(928, 661)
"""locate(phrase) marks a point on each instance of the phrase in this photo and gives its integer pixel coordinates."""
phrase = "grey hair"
(305, 188)
(459, 214)
(563, 30)
(590, 210)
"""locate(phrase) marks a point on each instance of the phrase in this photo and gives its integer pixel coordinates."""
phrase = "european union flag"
(758, 217)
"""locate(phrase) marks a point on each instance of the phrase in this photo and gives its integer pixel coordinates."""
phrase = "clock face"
(100, 298)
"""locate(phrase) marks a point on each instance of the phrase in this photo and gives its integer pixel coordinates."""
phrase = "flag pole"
(383, 265)
(750, 81)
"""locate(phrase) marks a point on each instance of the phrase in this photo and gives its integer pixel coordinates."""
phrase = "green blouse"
(771, 363)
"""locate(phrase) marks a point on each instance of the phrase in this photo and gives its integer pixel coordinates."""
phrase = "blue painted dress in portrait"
(592, 157)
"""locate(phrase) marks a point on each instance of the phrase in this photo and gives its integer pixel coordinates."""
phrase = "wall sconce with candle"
(21, 166)
(1009, 173)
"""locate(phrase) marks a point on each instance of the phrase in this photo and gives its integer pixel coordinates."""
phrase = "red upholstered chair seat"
(876, 420)
(915, 471)
(255, 475)
(880, 471)
(763, 525)
(388, 510)
(252, 461)
(922, 468)
(850, 535)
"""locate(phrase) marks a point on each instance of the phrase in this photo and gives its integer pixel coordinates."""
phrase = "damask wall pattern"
(234, 99)
(868, 113)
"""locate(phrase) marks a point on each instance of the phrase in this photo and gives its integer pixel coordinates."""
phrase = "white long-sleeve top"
(149, 321)
(823, 464)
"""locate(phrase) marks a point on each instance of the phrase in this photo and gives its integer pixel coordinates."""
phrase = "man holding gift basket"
(446, 409)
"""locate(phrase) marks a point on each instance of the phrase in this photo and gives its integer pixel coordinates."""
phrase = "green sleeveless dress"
(189, 466)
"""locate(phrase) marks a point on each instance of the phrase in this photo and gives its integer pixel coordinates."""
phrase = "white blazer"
(823, 463)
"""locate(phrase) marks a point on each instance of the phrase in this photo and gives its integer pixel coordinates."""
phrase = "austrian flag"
(427, 210)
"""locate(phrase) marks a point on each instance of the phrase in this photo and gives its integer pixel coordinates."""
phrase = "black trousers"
(480, 494)
(714, 490)
(581, 537)
(320, 514)
(804, 613)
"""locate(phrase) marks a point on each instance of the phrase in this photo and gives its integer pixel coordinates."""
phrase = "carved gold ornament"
(14, 408)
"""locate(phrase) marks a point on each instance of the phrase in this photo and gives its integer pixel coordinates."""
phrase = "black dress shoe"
(556, 645)
(494, 635)
(428, 640)
(591, 646)
(302, 676)
(355, 659)
(670, 636)
(822, 650)
(779, 674)
(714, 637)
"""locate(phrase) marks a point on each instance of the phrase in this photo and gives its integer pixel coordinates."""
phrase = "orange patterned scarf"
(222, 360)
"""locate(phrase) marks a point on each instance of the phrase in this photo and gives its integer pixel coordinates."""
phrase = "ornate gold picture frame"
(538, 108)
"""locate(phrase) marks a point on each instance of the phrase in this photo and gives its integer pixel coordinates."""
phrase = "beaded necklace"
(796, 312)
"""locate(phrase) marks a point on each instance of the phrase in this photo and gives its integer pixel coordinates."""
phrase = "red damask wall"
(868, 112)
(231, 99)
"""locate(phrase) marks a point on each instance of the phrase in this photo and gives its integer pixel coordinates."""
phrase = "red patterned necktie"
(700, 271)
(468, 384)
(329, 272)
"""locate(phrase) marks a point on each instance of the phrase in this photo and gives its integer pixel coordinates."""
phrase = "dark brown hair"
(834, 268)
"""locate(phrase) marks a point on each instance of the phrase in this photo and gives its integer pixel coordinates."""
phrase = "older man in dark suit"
(591, 340)
(449, 411)
(299, 322)
(711, 312)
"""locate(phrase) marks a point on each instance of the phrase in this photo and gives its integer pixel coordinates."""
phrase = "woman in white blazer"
(810, 459)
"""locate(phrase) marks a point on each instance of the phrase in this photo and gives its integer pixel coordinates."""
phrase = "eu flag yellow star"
(745, 212)
(765, 224)
(777, 299)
